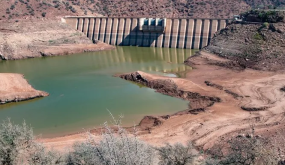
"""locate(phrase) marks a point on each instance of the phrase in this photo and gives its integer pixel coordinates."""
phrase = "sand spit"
(15, 88)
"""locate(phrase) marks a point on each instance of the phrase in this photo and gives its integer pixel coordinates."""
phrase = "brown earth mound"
(15, 88)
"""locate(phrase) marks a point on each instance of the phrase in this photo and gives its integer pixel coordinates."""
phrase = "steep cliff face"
(257, 46)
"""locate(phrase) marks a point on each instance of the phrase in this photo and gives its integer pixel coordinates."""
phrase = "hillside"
(37, 38)
(256, 46)
(18, 9)
(266, 3)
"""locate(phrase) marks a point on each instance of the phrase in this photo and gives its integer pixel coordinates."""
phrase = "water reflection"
(144, 56)
(82, 87)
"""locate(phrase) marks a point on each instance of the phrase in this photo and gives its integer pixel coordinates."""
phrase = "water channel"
(82, 88)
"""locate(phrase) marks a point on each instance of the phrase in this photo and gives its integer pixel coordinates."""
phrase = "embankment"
(199, 98)
(37, 38)
(259, 45)
(15, 88)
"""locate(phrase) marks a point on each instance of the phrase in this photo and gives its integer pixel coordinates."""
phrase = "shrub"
(115, 148)
(15, 141)
(257, 36)
(17, 146)
(40, 156)
(245, 150)
(12, 7)
(177, 154)
(44, 14)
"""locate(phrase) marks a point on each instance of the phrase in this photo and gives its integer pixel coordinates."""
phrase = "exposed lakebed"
(82, 88)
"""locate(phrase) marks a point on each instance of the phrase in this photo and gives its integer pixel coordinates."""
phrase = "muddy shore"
(222, 102)
(15, 88)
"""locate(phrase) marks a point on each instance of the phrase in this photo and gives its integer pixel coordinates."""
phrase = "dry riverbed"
(15, 88)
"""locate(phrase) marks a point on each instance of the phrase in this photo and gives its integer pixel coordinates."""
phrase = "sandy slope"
(14, 88)
(37, 38)
(254, 89)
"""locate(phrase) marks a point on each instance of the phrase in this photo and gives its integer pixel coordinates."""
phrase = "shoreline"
(15, 88)
(41, 38)
(235, 88)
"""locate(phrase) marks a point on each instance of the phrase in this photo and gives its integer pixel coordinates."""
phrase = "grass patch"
(258, 36)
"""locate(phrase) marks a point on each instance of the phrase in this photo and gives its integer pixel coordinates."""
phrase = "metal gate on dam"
(149, 32)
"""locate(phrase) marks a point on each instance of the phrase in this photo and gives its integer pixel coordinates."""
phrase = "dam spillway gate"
(148, 32)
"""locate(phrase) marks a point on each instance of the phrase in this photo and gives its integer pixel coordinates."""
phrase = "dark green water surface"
(82, 88)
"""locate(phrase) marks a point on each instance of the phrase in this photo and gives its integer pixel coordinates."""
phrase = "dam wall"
(178, 33)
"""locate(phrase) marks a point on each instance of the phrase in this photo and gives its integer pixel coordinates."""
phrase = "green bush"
(263, 16)
(257, 36)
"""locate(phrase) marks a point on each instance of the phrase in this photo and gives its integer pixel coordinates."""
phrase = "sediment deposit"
(15, 88)
(247, 97)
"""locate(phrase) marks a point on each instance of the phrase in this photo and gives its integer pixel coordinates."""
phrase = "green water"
(82, 88)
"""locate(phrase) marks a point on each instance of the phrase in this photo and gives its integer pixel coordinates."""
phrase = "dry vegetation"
(119, 147)
(17, 9)
(37, 38)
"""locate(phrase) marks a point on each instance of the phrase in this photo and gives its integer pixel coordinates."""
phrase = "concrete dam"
(149, 32)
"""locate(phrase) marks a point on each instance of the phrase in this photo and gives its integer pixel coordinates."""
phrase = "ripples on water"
(82, 88)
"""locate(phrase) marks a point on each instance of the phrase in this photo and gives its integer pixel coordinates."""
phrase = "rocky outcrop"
(15, 88)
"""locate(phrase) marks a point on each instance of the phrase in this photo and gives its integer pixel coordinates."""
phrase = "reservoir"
(82, 88)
